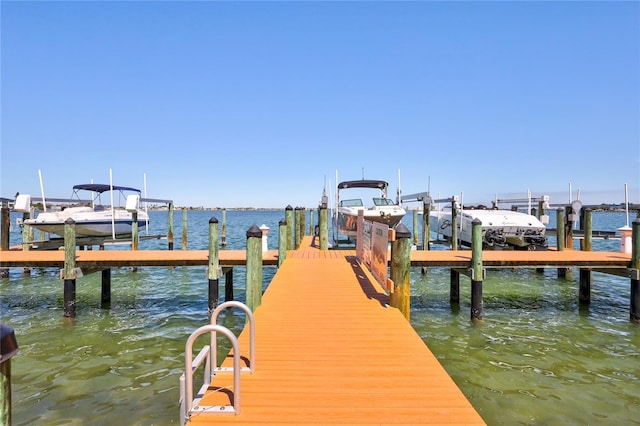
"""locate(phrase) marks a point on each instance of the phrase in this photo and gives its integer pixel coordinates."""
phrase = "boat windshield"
(383, 202)
(356, 202)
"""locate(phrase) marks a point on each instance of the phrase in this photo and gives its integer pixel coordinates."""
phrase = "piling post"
(134, 230)
(69, 271)
(8, 348)
(426, 227)
(401, 271)
(213, 270)
(311, 227)
(560, 239)
(228, 285)
(254, 267)
(288, 215)
(170, 227)
(584, 292)
(569, 227)
(635, 268)
(5, 225)
(303, 223)
(324, 228)
(298, 225)
(415, 228)
(477, 271)
(27, 237)
(454, 287)
(282, 241)
(105, 297)
(184, 229)
(224, 228)
(454, 225)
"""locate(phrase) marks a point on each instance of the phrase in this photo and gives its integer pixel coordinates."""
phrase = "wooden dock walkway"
(329, 350)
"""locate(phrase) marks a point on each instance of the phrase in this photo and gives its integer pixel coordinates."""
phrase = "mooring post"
(477, 271)
(303, 223)
(69, 271)
(401, 271)
(288, 215)
(560, 240)
(5, 226)
(228, 285)
(170, 227)
(454, 225)
(254, 267)
(282, 241)
(134, 234)
(27, 237)
(426, 227)
(8, 348)
(635, 269)
(224, 228)
(298, 222)
(311, 227)
(105, 297)
(454, 287)
(584, 293)
(416, 229)
(184, 228)
(213, 270)
(324, 228)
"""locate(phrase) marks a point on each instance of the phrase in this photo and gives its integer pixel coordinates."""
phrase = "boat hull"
(501, 229)
(348, 218)
(89, 223)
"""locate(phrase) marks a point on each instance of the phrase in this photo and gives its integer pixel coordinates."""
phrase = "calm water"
(537, 358)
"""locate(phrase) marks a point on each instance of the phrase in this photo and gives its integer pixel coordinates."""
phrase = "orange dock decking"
(330, 351)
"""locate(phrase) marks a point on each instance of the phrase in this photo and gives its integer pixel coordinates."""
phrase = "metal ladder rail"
(252, 338)
(188, 404)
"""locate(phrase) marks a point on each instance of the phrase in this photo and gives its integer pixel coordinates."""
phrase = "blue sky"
(228, 104)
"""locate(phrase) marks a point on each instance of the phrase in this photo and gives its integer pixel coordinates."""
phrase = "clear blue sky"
(259, 103)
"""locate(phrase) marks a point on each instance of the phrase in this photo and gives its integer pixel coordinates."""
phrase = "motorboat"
(93, 217)
(382, 209)
(501, 229)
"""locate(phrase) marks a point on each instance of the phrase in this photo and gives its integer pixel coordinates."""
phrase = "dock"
(330, 350)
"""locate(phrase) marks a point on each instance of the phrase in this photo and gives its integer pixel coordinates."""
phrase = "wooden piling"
(228, 285)
(254, 267)
(69, 272)
(288, 215)
(282, 241)
(454, 225)
(560, 238)
(324, 228)
(586, 244)
(105, 297)
(416, 229)
(298, 227)
(635, 269)
(454, 287)
(170, 227)
(184, 229)
(477, 270)
(224, 228)
(134, 230)
(213, 269)
(400, 298)
(5, 226)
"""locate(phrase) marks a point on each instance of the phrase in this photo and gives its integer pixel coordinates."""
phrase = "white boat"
(383, 209)
(501, 229)
(93, 217)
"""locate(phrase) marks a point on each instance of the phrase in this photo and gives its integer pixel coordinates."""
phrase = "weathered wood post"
(184, 229)
(288, 215)
(416, 228)
(454, 287)
(303, 223)
(105, 297)
(8, 348)
(324, 228)
(635, 269)
(27, 237)
(584, 292)
(560, 239)
(69, 271)
(170, 227)
(298, 223)
(282, 241)
(454, 224)
(254, 267)
(569, 227)
(311, 227)
(401, 271)
(224, 228)
(134, 230)
(228, 285)
(5, 226)
(477, 270)
(213, 270)
(426, 227)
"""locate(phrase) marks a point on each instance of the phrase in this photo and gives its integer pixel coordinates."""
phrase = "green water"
(537, 358)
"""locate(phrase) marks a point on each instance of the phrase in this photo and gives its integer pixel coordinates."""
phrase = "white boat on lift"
(93, 217)
(501, 229)
(383, 209)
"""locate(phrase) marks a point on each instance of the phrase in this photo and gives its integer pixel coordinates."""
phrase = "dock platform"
(330, 350)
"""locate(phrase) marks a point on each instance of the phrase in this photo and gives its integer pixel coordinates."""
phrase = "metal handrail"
(188, 404)
(252, 335)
